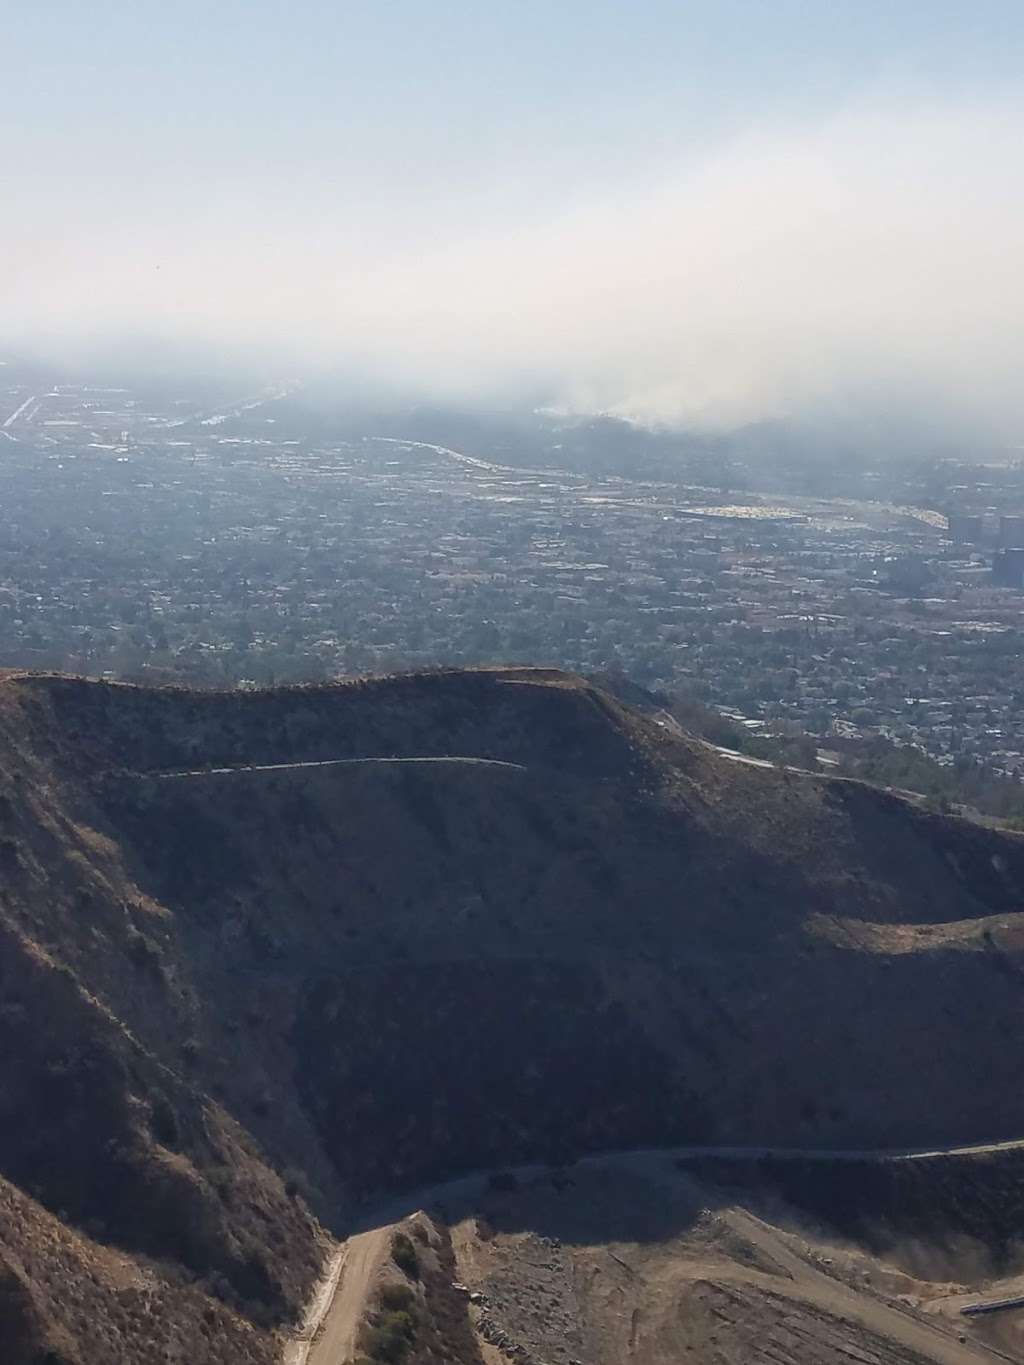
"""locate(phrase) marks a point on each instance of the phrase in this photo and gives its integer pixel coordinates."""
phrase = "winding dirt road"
(328, 1336)
(448, 760)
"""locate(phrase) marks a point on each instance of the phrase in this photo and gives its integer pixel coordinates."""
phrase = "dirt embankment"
(974, 1200)
(634, 1260)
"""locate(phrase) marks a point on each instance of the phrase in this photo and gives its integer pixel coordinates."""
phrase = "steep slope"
(266, 955)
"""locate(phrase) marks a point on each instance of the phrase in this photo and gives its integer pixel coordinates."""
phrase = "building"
(1008, 567)
(965, 528)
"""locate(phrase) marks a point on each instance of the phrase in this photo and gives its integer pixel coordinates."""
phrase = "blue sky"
(231, 84)
(170, 164)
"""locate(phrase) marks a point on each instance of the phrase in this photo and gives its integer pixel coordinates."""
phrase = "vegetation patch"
(391, 1331)
(403, 1253)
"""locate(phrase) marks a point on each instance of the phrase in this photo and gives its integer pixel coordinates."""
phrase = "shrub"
(390, 1338)
(143, 950)
(403, 1253)
(396, 1298)
(164, 1122)
(10, 852)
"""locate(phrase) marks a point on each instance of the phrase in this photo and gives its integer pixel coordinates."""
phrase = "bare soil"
(635, 1261)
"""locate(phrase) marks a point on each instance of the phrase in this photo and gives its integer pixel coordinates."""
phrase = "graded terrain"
(269, 960)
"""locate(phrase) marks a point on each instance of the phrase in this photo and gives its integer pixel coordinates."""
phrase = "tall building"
(965, 528)
(1011, 532)
(1008, 567)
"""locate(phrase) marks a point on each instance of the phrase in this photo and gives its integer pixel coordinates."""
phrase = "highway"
(19, 410)
(213, 417)
(472, 461)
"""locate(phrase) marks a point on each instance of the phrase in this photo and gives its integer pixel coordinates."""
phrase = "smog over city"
(512, 683)
(693, 218)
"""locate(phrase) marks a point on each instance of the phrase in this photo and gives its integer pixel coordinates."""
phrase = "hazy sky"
(708, 210)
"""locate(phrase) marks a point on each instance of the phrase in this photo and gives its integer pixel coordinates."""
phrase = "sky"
(688, 212)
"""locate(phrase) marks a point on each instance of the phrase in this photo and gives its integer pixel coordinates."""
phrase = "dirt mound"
(627, 1259)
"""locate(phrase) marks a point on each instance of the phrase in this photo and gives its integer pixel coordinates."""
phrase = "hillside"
(265, 957)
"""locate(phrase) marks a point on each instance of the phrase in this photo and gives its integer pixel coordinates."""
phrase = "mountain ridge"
(236, 1005)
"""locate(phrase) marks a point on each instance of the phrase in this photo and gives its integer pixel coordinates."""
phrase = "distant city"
(241, 544)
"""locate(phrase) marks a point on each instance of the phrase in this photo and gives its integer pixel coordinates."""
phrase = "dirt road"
(453, 760)
(333, 1339)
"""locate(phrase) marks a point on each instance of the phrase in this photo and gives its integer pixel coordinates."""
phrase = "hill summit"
(268, 956)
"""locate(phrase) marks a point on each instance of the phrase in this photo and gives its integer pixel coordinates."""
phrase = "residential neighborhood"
(146, 540)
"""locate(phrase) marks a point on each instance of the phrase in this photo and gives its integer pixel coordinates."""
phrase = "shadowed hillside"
(257, 966)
